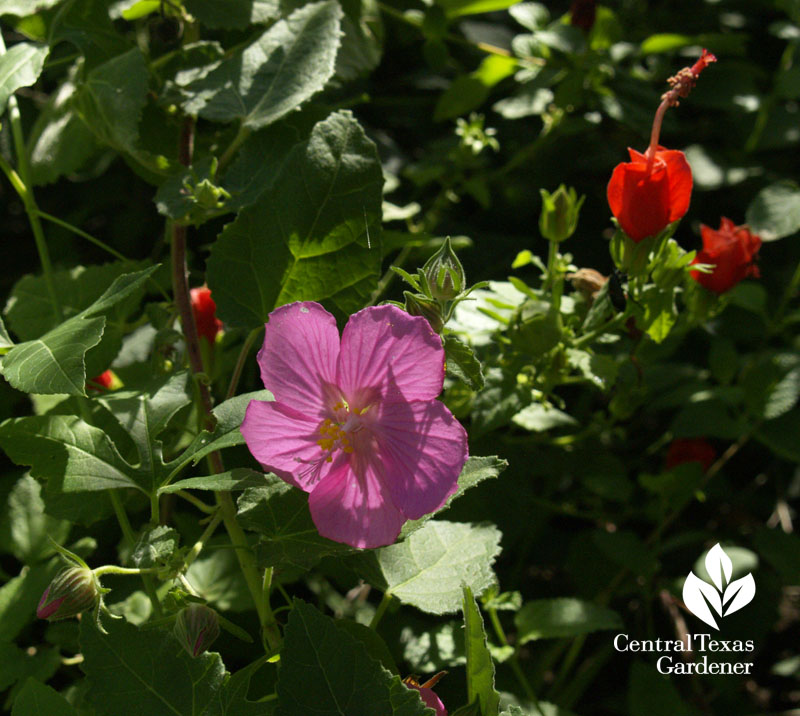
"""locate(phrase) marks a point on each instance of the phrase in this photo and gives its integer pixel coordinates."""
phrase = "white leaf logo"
(724, 596)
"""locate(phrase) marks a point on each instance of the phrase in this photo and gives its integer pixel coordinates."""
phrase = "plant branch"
(243, 353)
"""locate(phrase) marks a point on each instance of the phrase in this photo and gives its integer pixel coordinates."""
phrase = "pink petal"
(353, 506)
(385, 349)
(430, 699)
(284, 442)
(423, 448)
(298, 359)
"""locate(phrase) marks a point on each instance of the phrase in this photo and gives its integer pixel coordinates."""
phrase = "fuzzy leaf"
(480, 667)
(308, 240)
(550, 618)
(428, 570)
(38, 699)
(285, 67)
(20, 66)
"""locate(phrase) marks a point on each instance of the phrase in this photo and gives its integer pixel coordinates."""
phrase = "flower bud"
(72, 591)
(444, 273)
(205, 314)
(417, 305)
(559, 217)
(196, 628)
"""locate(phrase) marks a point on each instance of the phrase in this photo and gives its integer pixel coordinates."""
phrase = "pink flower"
(427, 694)
(355, 421)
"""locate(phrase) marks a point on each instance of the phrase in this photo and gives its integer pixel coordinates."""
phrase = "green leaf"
(30, 528)
(20, 66)
(229, 416)
(457, 8)
(428, 570)
(565, 617)
(217, 577)
(462, 363)
(156, 547)
(375, 646)
(20, 595)
(54, 363)
(234, 14)
(309, 239)
(144, 415)
(5, 340)
(468, 92)
(775, 211)
(289, 537)
(38, 699)
(86, 24)
(111, 99)
(428, 650)
(133, 672)
(240, 478)
(540, 418)
(480, 667)
(475, 470)
(782, 550)
(232, 698)
(780, 435)
(23, 8)
(652, 694)
(29, 311)
(280, 71)
(59, 143)
(73, 455)
(328, 672)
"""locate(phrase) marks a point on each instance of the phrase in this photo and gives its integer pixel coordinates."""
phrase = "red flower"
(645, 199)
(205, 314)
(684, 450)
(582, 14)
(732, 250)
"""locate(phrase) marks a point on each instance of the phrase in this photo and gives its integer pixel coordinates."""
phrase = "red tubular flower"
(646, 199)
(205, 314)
(104, 380)
(684, 450)
(732, 249)
(653, 189)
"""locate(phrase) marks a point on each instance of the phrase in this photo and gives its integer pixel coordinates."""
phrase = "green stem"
(79, 232)
(26, 194)
(788, 294)
(243, 353)
(388, 277)
(155, 512)
(127, 531)
(607, 327)
(379, 612)
(114, 569)
(198, 546)
(233, 147)
(199, 504)
(514, 660)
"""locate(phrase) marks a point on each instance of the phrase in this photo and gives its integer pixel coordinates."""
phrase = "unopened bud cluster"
(196, 628)
(560, 210)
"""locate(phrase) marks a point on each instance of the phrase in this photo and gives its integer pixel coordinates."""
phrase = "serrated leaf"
(54, 363)
(29, 311)
(289, 537)
(232, 699)
(229, 416)
(285, 67)
(236, 14)
(480, 667)
(5, 340)
(155, 547)
(112, 97)
(73, 455)
(132, 672)
(20, 66)
(30, 528)
(240, 478)
(475, 471)
(428, 570)
(328, 672)
(308, 239)
(462, 363)
(775, 211)
(144, 415)
(565, 617)
(38, 699)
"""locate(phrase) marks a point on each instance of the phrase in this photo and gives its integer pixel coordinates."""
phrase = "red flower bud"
(205, 314)
(732, 249)
(646, 200)
(106, 380)
(72, 591)
(684, 450)
(196, 628)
